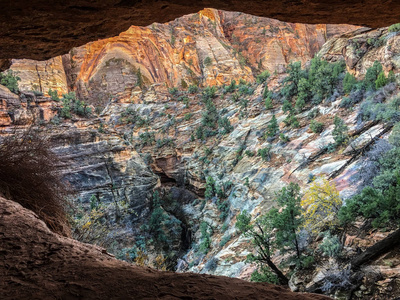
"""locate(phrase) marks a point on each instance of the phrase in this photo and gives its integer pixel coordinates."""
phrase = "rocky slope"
(145, 139)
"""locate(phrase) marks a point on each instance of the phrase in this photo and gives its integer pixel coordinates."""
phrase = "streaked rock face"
(208, 48)
(362, 48)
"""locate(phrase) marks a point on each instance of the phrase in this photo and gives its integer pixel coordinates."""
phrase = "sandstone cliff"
(208, 48)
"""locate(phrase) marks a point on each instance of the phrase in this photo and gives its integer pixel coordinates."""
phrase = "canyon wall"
(208, 48)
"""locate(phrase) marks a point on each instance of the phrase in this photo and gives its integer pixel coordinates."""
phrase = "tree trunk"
(282, 278)
(377, 249)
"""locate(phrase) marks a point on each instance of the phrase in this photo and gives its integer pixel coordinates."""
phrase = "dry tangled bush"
(29, 176)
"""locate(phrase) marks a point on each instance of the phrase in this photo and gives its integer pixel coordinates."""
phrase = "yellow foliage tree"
(321, 203)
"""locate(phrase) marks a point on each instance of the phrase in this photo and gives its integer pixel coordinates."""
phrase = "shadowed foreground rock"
(44, 29)
(38, 264)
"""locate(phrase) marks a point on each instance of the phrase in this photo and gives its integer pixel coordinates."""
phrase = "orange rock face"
(208, 48)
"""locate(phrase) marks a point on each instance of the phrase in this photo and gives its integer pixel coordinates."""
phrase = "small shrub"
(394, 28)
(212, 264)
(54, 95)
(225, 239)
(231, 87)
(10, 80)
(316, 127)
(349, 82)
(173, 91)
(268, 103)
(188, 116)
(284, 138)
(313, 114)
(273, 127)
(207, 61)
(340, 131)
(381, 80)
(372, 75)
(225, 124)
(205, 238)
(193, 89)
(263, 274)
(261, 78)
(249, 153)
(265, 153)
(330, 245)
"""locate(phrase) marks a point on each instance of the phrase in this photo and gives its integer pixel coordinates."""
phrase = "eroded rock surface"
(207, 48)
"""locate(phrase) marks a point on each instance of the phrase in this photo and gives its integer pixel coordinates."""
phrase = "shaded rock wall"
(41, 30)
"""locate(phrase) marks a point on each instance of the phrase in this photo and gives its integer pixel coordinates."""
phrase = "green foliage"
(183, 84)
(249, 153)
(193, 89)
(288, 219)
(285, 223)
(225, 124)
(225, 239)
(54, 95)
(173, 91)
(157, 219)
(304, 94)
(388, 112)
(262, 77)
(379, 201)
(188, 116)
(394, 28)
(244, 89)
(287, 106)
(205, 238)
(265, 153)
(349, 82)
(268, 103)
(391, 77)
(71, 105)
(10, 80)
(210, 188)
(313, 84)
(323, 78)
(330, 245)
(266, 92)
(165, 142)
(231, 87)
(284, 138)
(131, 116)
(291, 121)
(291, 82)
(313, 114)
(243, 222)
(209, 93)
(372, 75)
(381, 80)
(339, 132)
(273, 127)
(316, 127)
(207, 61)
(147, 138)
(264, 274)
(382, 207)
